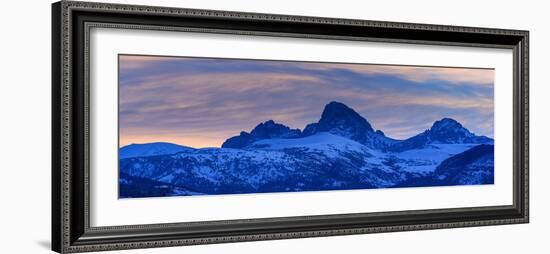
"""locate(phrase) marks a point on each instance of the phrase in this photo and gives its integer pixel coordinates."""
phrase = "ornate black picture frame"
(71, 230)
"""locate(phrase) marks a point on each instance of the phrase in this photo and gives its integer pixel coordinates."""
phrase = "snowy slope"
(319, 162)
(150, 149)
(311, 163)
(325, 142)
(427, 159)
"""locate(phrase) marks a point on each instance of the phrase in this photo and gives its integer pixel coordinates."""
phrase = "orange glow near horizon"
(195, 142)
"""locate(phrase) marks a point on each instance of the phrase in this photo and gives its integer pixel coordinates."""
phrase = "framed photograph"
(181, 126)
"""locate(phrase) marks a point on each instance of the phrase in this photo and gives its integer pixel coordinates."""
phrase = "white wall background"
(25, 125)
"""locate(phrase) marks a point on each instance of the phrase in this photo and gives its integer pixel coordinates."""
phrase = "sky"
(200, 102)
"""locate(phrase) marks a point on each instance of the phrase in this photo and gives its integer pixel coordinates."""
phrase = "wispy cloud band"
(200, 102)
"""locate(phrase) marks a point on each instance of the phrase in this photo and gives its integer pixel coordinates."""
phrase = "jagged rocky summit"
(337, 119)
(444, 131)
(267, 130)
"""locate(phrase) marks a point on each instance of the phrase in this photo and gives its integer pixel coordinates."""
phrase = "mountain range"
(340, 151)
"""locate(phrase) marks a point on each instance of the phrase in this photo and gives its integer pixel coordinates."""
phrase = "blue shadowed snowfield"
(206, 126)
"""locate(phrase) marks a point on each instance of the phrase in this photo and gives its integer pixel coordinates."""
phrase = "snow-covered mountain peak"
(151, 149)
(444, 131)
(448, 125)
(341, 120)
(271, 129)
(449, 131)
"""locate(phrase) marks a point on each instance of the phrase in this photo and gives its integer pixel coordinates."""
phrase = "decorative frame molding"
(71, 22)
